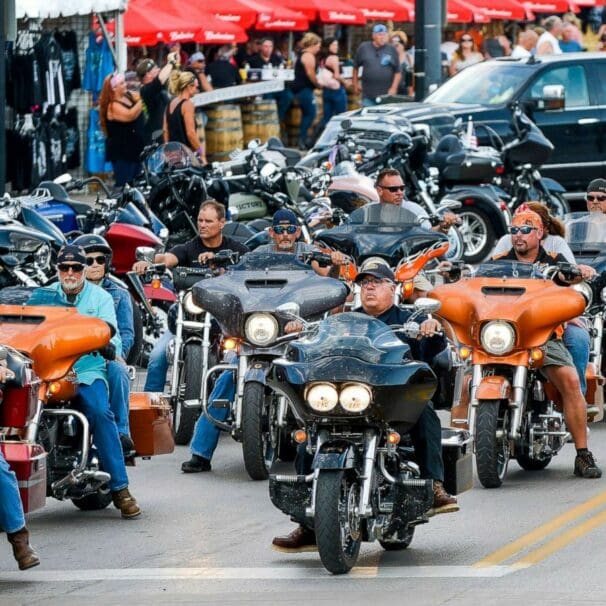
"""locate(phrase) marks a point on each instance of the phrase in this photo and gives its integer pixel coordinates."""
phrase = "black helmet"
(95, 243)
(400, 141)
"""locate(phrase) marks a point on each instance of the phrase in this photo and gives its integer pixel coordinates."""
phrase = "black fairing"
(534, 147)
(380, 230)
(262, 282)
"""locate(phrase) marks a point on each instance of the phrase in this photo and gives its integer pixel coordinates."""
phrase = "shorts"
(556, 354)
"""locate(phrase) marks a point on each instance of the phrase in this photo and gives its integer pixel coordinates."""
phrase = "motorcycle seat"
(447, 146)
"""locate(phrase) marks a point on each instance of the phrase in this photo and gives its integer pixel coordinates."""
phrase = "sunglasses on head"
(392, 188)
(524, 229)
(99, 260)
(591, 198)
(75, 267)
(289, 229)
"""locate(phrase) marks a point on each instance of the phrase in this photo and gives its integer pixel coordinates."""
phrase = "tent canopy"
(46, 9)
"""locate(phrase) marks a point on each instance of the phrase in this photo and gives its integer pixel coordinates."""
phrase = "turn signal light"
(393, 438)
(536, 354)
(54, 388)
(230, 344)
(156, 283)
(407, 289)
(464, 352)
(299, 436)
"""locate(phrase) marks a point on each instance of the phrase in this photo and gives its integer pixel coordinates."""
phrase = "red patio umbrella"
(547, 6)
(232, 11)
(504, 9)
(458, 11)
(271, 17)
(331, 11)
(393, 10)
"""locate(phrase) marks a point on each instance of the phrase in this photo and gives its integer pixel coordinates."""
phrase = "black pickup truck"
(565, 95)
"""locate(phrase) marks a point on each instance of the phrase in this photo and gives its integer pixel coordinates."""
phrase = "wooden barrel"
(260, 120)
(354, 100)
(199, 118)
(223, 131)
(293, 119)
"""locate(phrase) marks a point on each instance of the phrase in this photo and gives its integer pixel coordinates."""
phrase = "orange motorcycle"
(501, 318)
(45, 441)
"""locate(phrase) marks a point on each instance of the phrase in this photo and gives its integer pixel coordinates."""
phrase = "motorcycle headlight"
(498, 338)
(355, 397)
(586, 291)
(190, 306)
(42, 256)
(322, 397)
(261, 329)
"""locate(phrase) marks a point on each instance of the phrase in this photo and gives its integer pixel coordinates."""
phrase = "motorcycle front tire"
(492, 453)
(134, 355)
(253, 427)
(184, 419)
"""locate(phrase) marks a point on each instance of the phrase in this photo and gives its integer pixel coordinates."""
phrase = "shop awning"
(271, 17)
(379, 10)
(547, 6)
(332, 11)
(458, 11)
(45, 9)
(504, 9)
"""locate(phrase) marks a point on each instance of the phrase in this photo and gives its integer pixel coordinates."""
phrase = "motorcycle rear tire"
(94, 502)
(134, 354)
(557, 204)
(331, 508)
(184, 419)
(254, 447)
(396, 545)
(491, 458)
(525, 462)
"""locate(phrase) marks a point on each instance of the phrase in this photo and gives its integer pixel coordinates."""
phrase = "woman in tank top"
(334, 98)
(179, 118)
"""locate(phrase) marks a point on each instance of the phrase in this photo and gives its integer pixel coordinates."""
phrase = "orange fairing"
(53, 337)
(410, 267)
(535, 307)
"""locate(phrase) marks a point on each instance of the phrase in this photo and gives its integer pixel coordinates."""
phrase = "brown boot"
(442, 501)
(126, 503)
(24, 553)
(299, 540)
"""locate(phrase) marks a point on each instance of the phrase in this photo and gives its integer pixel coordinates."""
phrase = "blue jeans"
(368, 102)
(577, 342)
(307, 103)
(119, 388)
(157, 366)
(206, 435)
(335, 102)
(125, 171)
(11, 509)
(94, 403)
(283, 101)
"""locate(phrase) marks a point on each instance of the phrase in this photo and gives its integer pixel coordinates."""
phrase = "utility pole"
(429, 16)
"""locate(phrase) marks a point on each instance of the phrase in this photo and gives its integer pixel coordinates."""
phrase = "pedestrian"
(154, 94)
(466, 54)
(179, 118)
(122, 120)
(496, 43)
(197, 65)
(304, 84)
(221, 71)
(399, 41)
(548, 43)
(527, 42)
(568, 44)
(334, 96)
(380, 65)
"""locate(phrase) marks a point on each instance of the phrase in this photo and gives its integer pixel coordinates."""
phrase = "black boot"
(196, 464)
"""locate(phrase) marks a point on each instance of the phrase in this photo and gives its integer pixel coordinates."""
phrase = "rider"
(200, 249)
(527, 233)
(390, 188)
(596, 196)
(378, 289)
(98, 260)
(12, 518)
(72, 289)
(284, 233)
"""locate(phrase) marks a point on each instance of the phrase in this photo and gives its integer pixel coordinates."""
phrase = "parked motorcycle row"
(342, 392)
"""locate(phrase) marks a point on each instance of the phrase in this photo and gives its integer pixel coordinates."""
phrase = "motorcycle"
(501, 318)
(245, 301)
(358, 393)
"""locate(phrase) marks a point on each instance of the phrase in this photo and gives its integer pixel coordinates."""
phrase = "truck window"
(572, 77)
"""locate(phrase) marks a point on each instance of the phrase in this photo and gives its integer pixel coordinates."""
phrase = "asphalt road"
(205, 538)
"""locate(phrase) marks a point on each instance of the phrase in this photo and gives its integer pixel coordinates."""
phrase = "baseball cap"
(71, 254)
(197, 57)
(378, 270)
(597, 185)
(379, 29)
(285, 216)
(144, 66)
(527, 217)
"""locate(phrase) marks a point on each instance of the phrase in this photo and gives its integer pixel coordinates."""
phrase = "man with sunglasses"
(73, 290)
(596, 196)
(559, 369)
(390, 187)
(98, 261)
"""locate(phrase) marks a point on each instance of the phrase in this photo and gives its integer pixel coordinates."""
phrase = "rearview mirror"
(145, 253)
(449, 203)
(289, 309)
(427, 305)
(554, 97)
(62, 179)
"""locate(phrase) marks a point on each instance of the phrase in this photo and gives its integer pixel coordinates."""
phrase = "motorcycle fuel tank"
(124, 240)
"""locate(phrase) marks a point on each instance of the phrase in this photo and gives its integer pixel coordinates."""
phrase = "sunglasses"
(75, 267)
(525, 230)
(590, 198)
(466, 39)
(100, 260)
(393, 188)
(281, 229)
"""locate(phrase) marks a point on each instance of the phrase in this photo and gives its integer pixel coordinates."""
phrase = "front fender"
(257, 372)
(335, 454)
(159, 294)
(494, 388)
(552, 185)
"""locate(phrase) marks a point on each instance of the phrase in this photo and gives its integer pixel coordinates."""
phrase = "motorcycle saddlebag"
(458, 460)
(151, 426)
(28, 461)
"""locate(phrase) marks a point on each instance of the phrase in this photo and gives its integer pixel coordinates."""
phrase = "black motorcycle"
(246, 302)
(359, 393)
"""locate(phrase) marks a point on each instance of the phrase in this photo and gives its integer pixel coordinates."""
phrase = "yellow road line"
(504, 553)
(559, 542)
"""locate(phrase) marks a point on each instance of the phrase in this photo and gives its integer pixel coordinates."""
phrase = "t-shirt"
(549, 37)
(378, 68)
(222, 73)
(258, 62)
(519, 52)
(300, 248)
(188, 253)
(155, 97)
(570, 46)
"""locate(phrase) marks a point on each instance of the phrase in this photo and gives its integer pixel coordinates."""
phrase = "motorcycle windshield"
(586, 232)
(508, 269)
(170, 156)
(383, 214)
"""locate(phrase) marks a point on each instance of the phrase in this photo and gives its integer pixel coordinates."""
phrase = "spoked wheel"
(557, 204)
(337, 521)
(260, 431)
(477, 233)
(492, 443)
(399, 541)
(456, 245)
(95, 501)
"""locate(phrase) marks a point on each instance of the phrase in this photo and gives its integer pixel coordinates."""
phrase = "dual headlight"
(353, 397)
(498, 337)
(261, 329)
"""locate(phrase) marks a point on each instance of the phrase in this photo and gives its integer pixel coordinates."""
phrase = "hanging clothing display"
(95, 150)
(48, 53)
(68, 43)
(99, 64)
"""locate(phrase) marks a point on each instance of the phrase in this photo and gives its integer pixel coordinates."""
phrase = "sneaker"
(126, 503)
(196, 464)
(442, 501)
(299, 540)
(585, 466)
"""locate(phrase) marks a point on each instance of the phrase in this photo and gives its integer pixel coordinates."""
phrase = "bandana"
(527, 217)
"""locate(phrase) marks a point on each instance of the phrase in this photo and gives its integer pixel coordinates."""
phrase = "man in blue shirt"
(73, 290)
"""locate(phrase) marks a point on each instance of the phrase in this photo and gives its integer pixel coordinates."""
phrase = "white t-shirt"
(552, 244)
(549, 37)
(519, 52)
